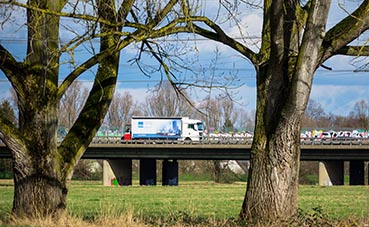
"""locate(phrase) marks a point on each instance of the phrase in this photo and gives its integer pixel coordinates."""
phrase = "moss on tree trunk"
(38, 196)
(273, 176)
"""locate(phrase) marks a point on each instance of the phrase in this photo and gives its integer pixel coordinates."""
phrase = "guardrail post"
(357, 172)
(170, 172)
(331, 173)
(147, 171)
(119, 170)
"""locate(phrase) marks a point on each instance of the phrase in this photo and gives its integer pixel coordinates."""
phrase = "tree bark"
(39, 196)
(273, 178)
(40, 187)
(283, 89)
(42, 170)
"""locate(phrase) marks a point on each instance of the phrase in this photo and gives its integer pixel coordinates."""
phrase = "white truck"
(165, 128)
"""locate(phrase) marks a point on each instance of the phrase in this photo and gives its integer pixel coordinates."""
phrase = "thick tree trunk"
(273, 178)
(283, 87)
(39, 175)
(39, 181)
(39, 196)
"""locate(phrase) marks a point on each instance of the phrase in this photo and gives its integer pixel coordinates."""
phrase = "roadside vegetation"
(193, 203)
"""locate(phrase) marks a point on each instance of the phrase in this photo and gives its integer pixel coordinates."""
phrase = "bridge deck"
(212, 151)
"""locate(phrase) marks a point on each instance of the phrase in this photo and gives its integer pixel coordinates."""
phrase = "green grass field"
(196, 200)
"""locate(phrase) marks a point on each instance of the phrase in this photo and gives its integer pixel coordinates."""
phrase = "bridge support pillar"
(147, 171)
(170, 173)
(331, 173)
(108, 174)
(357, 172)
(119, 170)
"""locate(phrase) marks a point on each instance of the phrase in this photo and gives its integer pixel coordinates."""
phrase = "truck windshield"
(199, 126)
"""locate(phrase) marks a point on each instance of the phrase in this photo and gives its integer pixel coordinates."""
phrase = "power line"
(11, 40)
(247, 77)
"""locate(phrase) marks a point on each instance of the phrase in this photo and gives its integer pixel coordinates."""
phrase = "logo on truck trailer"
(165, 128)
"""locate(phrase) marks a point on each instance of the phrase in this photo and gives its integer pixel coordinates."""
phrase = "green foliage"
(309, 179)
(229, 177)
(228, 126)
(309, 173)
(87, 170)
(7, 111)
(6, 171)
(317, 217)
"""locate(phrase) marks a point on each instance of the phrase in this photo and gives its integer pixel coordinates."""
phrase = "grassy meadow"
(198, 203)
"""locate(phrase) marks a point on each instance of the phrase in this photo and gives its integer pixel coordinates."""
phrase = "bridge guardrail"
(335, 141)
(234, 140)
(227, 140)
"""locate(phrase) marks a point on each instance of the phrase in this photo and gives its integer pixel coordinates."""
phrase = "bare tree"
(220, 113)
(164, 101)
(71, 104)
(314, 115)
(212, 114)
(294, 43)
(226, 106)
(361, 112)
(244, 120)
(121, 110)
(314, 110)
(42, 167)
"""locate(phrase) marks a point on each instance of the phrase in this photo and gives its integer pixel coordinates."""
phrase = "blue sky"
(336, 90)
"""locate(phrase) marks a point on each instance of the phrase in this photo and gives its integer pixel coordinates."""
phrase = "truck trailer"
(165, 128)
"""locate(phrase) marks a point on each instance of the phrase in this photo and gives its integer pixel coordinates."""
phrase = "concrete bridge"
(118, 159)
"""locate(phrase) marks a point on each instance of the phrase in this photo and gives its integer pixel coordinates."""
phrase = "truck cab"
(192, 130)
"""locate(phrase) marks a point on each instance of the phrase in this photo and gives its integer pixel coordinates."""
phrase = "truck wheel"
(187, 140)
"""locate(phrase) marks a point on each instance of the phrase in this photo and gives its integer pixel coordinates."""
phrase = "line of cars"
(345, 137)
(313, 137)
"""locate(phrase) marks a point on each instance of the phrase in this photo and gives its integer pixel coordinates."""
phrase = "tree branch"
(8, 64)
(308, 58)
(217, 34)
(10, 67)
(98, 58)
(138, 35)
(354, 51)
(169, 76)
(62, 14)
(12, 138)
(124, 10)
(160, 14)
(345, 32)
(220, 36)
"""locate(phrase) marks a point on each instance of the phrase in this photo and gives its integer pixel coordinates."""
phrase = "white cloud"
(245, 96)
(248, 31)
(341, 62)
(339, 99)
(138, 94)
